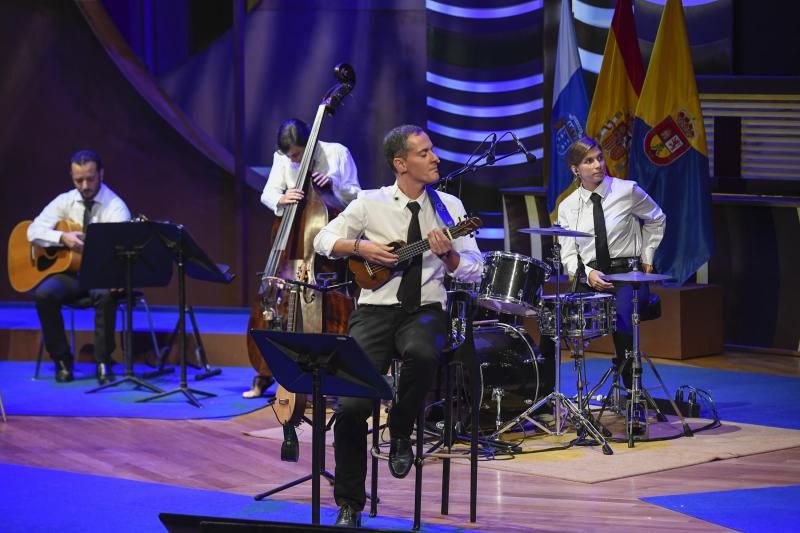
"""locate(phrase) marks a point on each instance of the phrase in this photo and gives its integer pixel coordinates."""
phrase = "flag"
(610, 119)
(669, 157)
(570, 105)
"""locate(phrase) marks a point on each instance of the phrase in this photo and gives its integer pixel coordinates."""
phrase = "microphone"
(490, 156)
(528, 155)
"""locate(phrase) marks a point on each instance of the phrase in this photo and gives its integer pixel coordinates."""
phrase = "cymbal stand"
(559, 401)
(636, 407)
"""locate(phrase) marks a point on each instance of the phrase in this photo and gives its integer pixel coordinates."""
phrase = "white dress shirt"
(332, 159)
(381, 216)
(634, 223)
(108, 207)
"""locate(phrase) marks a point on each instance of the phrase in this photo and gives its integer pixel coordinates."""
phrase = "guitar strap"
(439, 206)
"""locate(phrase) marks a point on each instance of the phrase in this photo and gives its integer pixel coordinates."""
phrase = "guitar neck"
(420, 247)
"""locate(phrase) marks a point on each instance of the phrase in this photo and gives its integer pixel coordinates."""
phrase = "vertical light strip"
(533, 222)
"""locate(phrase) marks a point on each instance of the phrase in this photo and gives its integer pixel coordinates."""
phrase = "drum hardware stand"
(557, 398)
(497, 396)
(577, 347)
(636, 411)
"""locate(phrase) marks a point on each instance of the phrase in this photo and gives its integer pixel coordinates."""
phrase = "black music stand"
(191, 260)
(319, 364)
(129, 255)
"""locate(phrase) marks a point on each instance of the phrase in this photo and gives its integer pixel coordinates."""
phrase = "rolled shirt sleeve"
(654, 222)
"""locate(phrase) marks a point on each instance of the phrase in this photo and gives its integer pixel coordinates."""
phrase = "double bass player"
(333, 170)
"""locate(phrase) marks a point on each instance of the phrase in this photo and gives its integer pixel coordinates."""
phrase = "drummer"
(626, 224)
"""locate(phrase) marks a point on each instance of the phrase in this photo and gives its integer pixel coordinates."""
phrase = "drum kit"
(512, 371)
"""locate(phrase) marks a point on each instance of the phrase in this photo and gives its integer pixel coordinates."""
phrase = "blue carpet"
(25, 396)
(210, 320)
(37, 499)
(769, 509)
(746, 397)
(761, 399)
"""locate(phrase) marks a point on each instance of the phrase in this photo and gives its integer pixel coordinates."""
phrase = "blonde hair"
(578, 150)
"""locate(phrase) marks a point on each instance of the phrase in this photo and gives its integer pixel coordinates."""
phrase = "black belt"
(618, 262)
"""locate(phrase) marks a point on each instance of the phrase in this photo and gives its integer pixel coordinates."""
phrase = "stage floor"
(217, 455)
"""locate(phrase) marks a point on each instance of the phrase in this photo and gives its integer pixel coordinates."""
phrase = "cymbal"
(635, 277)
(555, 231)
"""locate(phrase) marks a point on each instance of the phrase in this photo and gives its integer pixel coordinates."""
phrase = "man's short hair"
(395, 143)
(292, 132)
(81, 157)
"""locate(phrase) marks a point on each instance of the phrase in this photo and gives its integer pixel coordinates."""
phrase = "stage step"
(222, 332)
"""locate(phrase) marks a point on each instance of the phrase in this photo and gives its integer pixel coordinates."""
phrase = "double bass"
(292, 255)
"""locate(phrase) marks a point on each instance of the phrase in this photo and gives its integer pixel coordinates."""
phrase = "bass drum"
(513, 373)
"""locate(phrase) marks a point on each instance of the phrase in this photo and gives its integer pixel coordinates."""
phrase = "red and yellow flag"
(610, 119)
(669, 156)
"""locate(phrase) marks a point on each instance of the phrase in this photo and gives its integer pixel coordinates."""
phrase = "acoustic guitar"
(29, 264)
(372, 275)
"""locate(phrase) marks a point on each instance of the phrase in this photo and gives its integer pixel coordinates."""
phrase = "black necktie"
(410, 285)
(600, 235)
(87, 213)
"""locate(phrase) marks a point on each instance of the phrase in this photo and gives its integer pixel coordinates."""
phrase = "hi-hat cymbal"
(556, 231)
(635, 277)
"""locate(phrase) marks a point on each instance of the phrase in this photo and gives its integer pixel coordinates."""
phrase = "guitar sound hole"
(44, 262)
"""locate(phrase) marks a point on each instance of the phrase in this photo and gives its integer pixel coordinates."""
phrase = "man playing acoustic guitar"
(90, 201)
(404, 317)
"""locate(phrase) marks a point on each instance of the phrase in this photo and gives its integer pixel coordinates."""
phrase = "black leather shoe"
(348, 517)
(64, 371)
(400, 456)
(104, 373)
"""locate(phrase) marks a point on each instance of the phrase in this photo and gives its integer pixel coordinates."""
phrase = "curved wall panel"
(61, 91)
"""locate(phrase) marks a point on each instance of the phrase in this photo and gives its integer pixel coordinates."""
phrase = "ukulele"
(372, 275)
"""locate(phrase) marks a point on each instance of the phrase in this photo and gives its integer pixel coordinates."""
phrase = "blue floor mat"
(44, 397)
(43, 500)
(746, 397)
(751, 510)
(762, 399)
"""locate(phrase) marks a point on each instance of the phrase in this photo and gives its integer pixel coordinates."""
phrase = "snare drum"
(455, 285)
(584, 315)
(512, 283)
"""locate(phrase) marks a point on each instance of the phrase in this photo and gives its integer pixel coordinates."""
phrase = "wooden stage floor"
(216, 455)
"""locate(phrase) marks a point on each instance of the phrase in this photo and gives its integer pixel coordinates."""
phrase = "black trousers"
(386, 332)
(59, 289)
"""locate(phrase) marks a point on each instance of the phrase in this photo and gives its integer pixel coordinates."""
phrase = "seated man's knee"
(43, 297)
(423, 356)
(355, 408)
